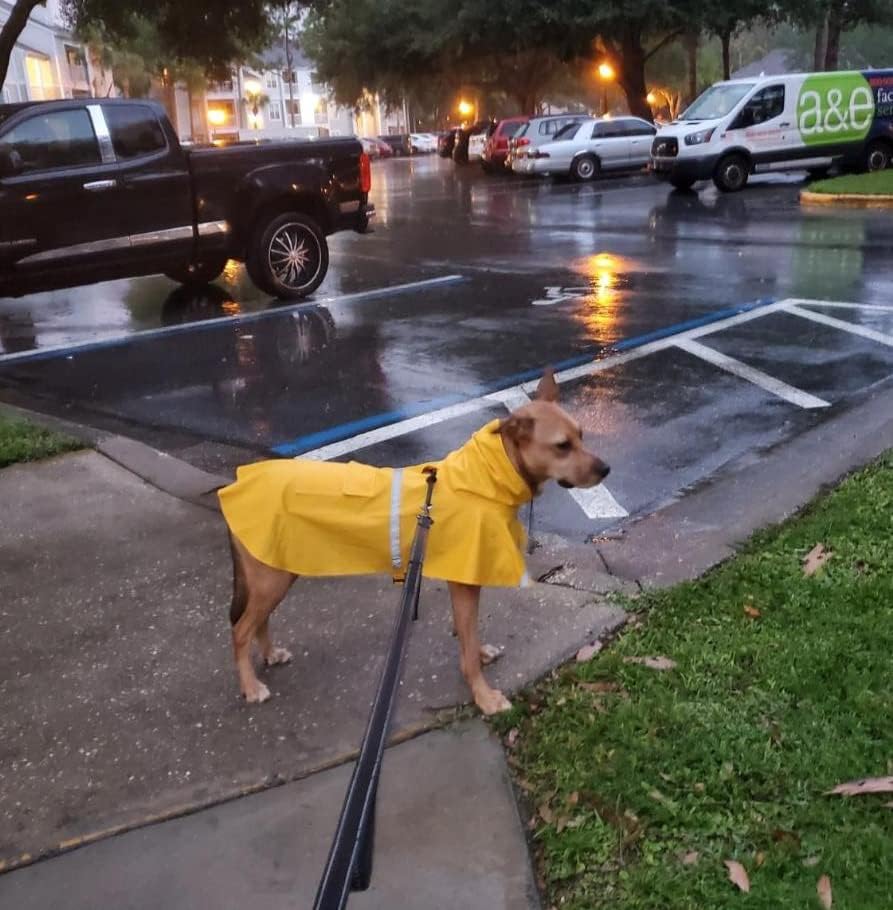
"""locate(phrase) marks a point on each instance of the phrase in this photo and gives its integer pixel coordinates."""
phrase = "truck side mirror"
(10, 162)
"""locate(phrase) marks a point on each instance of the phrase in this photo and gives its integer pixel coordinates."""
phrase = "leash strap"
(349, 866)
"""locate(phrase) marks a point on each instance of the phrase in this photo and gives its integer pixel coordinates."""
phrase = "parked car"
(497, 147)
(476, 144)
(423, 143)
(537, 131)
(399, 143)
(98, 189)
(583, 150)
(375, 148)
(445, 143)
(463, 135)
(806, 122)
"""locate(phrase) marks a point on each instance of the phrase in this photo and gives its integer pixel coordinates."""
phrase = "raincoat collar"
(482, 466)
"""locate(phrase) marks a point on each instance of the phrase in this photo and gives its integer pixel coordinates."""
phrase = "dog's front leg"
(465, 600)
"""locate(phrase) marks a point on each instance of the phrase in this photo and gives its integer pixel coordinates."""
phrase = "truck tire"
(203, 271)
(288, 256)
(877, 156)
(731, 173)
(584, 168)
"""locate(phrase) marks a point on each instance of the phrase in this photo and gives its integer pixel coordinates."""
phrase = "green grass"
(22, 441)
(880, 183)
(729, 755)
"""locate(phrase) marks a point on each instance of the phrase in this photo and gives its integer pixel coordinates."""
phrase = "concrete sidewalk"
(121, 705)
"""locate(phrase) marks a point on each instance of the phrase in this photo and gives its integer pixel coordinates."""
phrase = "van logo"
(835, 107)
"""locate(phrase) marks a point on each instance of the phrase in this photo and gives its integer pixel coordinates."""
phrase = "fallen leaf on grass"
(690, 858)
(815, 559)
(653, 663)
(587, 652)
(811, 861)
(780, 836)
(752, 612)
(824, 891)
(759, 859)
(546, 814)
(866, 785)
(601, 687)
(738, 875)
(512, 738)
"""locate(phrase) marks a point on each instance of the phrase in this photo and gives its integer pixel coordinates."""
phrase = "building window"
(290, 76)
(41, 84)
(272, 80)
(293, 108)
(221, 87)
(222, 116)
(275, 112)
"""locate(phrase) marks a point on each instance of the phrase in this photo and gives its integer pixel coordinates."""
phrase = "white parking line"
(850, 327)
(802, 301)
(751, 374)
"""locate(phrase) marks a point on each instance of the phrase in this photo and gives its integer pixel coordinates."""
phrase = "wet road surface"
(672, 316)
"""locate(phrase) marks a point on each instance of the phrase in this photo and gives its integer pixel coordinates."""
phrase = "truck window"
(135, 130)
(59, 139)
(765, 105)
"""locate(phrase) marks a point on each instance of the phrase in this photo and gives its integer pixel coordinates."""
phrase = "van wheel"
(584, 168)
(288, 256)
(682, 183)
(731, 174)
(203, 271)
(877, 156)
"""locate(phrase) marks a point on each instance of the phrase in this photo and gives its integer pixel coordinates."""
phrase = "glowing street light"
(466, 108)
(216, 116)
(651, 98)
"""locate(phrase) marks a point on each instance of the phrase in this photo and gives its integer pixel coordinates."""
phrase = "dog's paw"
(491, 653)
(277, 656)
(492, 701)
(257, 694)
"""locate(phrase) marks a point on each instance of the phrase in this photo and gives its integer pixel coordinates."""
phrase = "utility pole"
(286, 11)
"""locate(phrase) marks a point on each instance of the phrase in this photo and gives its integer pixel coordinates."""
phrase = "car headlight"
(700, 137)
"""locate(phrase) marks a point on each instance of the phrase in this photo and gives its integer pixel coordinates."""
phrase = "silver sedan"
(583, 150)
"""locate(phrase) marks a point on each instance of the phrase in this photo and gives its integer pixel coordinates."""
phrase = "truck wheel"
(203, 271)
(584, 168)
(289, 256)
(877, 156)
(731, 174)
(682, 183)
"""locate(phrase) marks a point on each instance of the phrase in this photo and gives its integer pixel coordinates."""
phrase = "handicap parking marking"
(862, 331)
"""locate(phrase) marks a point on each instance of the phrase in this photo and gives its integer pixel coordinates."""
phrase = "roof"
(274, 56)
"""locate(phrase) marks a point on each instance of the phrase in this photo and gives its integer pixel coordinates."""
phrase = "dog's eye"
(563, 446)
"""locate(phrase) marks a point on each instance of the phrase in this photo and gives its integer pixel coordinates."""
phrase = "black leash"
(349, 866)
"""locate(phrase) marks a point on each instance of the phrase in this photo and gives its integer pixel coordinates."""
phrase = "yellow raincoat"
(324, 518)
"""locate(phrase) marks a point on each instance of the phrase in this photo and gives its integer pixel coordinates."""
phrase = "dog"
(292, 517)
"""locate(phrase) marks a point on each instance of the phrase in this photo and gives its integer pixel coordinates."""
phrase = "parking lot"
(690, 331)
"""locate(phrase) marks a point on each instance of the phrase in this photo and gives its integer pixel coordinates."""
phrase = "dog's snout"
(605, 470)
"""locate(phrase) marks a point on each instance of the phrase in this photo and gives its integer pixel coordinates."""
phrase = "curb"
(855, 200)
(164, 472)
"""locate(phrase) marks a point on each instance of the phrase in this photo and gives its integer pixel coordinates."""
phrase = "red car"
(497, 148)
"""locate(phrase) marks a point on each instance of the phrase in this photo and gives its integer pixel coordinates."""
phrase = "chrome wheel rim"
(877, 160)
(734, 175)
(585, 169)
(294, 256)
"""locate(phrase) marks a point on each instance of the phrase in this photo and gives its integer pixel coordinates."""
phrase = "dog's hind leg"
(257, 591)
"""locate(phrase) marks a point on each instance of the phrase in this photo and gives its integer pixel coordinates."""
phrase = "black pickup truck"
(94, 189)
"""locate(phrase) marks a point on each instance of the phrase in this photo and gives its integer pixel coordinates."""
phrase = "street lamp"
(606, 74)
(466, 108)
(651, 98)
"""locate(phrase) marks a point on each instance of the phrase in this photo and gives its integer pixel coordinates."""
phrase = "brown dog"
(536, 443)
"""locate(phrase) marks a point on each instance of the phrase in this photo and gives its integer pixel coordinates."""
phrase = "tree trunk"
(725, 37)
(835, 27)
(291, 84)
(12, 28)
(691, 56)
(821, 38)
(631, 74)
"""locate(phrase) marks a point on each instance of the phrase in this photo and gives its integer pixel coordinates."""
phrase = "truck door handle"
(98, 186)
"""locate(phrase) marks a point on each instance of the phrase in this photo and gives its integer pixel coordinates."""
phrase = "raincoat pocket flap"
(361, 480)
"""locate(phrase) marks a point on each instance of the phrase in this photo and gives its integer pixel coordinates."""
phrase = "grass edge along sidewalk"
(860, 189)
(774, 684)
(23, 441)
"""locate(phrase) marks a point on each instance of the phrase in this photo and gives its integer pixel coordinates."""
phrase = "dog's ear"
(547, 390)
(517, 427)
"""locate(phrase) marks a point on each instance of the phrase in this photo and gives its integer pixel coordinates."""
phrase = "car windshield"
(567, 132)
(717, 101)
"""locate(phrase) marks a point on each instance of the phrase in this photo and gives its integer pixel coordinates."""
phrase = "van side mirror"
(10, 162)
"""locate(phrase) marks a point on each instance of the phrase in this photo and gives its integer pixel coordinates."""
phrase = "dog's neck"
(514, 456)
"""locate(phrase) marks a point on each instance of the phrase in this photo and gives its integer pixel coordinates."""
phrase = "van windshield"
(717, 101)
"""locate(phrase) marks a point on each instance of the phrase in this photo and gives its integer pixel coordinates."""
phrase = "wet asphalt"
(470, 284)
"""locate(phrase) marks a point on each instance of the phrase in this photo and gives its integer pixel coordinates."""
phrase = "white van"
(799, 122)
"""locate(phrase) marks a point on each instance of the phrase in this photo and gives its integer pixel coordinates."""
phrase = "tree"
(723, 19)
(285, 18)
(12, 28)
